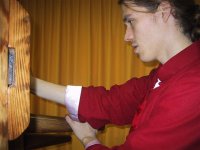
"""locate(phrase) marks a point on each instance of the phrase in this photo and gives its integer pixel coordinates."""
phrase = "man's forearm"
(47, 90)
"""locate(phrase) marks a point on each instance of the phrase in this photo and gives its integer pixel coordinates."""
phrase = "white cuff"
(72, 99)
(94, 142)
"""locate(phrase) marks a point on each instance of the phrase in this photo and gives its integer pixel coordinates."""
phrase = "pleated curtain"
(80, 42)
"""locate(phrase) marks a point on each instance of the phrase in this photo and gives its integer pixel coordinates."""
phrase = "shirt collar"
(179, 61)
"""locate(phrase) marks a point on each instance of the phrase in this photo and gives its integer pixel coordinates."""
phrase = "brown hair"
(186, 12)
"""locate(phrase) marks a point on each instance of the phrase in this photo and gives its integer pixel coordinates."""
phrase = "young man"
(163, 107)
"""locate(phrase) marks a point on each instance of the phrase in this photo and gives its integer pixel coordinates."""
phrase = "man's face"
(144, 31)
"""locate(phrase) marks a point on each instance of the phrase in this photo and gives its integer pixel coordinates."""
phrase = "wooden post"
(4, 21)
(19, 91)
(14, 98)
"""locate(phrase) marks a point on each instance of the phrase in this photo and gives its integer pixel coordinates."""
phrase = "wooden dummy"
(15, 114)
(14, 96)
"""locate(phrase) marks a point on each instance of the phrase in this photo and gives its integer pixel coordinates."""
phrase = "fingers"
(84, 132)
(69, 120)
(71, 123)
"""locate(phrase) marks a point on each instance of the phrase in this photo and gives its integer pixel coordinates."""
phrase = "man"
(163, 107)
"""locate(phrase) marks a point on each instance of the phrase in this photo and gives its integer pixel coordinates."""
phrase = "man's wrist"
(89, 141)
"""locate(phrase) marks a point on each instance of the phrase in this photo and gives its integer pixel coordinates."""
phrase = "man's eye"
(131, 21)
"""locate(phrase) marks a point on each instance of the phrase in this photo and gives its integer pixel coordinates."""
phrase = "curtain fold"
(80, 42)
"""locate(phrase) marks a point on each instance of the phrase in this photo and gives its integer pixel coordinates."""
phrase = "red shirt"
(163, 117)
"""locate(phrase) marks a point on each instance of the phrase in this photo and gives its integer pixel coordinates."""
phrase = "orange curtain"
(80, 42)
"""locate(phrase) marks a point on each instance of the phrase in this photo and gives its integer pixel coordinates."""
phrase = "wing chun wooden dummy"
(14, 70)
(15, 81)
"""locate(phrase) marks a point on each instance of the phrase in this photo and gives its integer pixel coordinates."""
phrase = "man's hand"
(83, 131)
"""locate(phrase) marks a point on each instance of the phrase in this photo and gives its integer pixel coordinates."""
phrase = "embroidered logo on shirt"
(157, 84)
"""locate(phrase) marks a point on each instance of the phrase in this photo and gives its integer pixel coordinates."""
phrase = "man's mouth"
(135, 47)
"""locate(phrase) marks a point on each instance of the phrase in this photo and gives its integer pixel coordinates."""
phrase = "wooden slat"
(19, 95)
(37, 140)
(32, 141)
(47, 124)
(4, 16)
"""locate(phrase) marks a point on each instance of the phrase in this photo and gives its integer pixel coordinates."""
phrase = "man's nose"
(128, 35)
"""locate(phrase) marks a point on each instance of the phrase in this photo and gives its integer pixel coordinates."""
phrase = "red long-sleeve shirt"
(164, 116)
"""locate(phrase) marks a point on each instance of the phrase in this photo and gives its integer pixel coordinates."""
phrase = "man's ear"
(165, 9)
